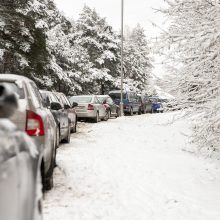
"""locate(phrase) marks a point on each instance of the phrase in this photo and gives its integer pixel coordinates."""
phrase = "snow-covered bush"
(192, 44)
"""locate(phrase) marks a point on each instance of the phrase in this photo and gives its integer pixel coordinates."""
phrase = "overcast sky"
(136, 11)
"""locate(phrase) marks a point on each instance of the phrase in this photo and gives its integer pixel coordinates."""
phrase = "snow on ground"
(133, 168)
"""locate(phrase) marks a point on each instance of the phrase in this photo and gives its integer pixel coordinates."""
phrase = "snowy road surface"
(133, 168)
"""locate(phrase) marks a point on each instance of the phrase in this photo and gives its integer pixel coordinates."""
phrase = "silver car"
(37, 121)
(89, 107)
(20, 180)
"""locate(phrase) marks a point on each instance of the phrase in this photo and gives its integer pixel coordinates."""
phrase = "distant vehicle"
(36, 120)
(20, 179)
(113, 110)
(60, 115)
(157, 105)
(130, 101)
(145, 104)
(70, 109)
(89, 107)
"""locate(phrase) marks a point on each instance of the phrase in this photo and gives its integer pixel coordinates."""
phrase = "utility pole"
(122, 73)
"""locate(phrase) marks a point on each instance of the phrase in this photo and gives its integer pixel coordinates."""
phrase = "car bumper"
(88, 114)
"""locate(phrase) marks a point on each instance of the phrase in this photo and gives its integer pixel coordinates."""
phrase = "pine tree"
(22, 44)
(101, 44)
(137, 61)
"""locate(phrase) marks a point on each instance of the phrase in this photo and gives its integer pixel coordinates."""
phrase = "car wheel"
(96, 118)
(48, 183)
(139, 111)
(58, 137)
(75, 126)
(107, 115)
(48, 180)
(117, 113)
(67, 139)
(131, 112)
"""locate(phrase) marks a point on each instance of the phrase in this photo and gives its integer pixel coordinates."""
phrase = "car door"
(9, 184)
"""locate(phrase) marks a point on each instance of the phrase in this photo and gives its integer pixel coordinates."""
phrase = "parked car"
(89, 107)
(20, 181)
(130, 101)
(70, 109)
(112, 110)
(157, 105)
(60, 115)
(36, 120)
(145, 104)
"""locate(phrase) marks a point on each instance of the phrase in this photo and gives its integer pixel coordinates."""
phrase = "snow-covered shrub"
(192, 44)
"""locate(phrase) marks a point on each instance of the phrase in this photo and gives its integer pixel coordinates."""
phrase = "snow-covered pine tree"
(137, 61)
(22, 44)
(192, 44)
(101, 44)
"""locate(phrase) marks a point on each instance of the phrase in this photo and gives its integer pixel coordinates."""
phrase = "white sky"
(139, 11)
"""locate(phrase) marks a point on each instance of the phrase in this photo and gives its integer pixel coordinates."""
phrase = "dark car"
(130, 101)
(145, 104)
(20, 179)
(112, 110)
(70, 109)
(60, 115)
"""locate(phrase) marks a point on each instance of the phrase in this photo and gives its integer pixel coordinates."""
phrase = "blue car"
(131, 103)
(156, 105)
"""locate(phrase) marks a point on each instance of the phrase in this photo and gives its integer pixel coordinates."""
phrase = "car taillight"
(90, 107)
(34, 124)
(106, 106)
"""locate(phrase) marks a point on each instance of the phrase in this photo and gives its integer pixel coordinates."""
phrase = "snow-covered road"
(133, 168)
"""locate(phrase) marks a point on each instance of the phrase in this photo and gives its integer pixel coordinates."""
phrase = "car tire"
(75, 126)
(131, 112)
(117, 113)
(58, 137)
(139, 111)
(96, 120)
(107, 115)
(67, 139)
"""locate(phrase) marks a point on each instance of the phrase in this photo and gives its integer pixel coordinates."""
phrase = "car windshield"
(117, 96)
(81, 99)
(13, 86)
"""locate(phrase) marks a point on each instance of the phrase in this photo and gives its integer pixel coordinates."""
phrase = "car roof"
(14, 77)
(103, 96)
(82, 96)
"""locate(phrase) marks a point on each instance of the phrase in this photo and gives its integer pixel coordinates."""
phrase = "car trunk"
(19, 117)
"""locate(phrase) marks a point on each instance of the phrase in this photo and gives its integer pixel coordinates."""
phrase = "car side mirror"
(74, 104)
(55, 106)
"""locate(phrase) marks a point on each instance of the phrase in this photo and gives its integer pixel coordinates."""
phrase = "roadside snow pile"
(133, 168)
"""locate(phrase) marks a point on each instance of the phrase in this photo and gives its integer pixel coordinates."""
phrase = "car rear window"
(81, 99)
(117, 95)
(15, 87)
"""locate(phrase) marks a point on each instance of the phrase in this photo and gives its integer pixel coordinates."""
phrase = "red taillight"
(106, 106)
(34, 124)
(90, 107)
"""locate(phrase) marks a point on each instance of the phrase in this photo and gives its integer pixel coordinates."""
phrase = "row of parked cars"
(39, 121)
(102, 107)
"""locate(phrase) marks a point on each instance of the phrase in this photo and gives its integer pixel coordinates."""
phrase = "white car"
(89, 107)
